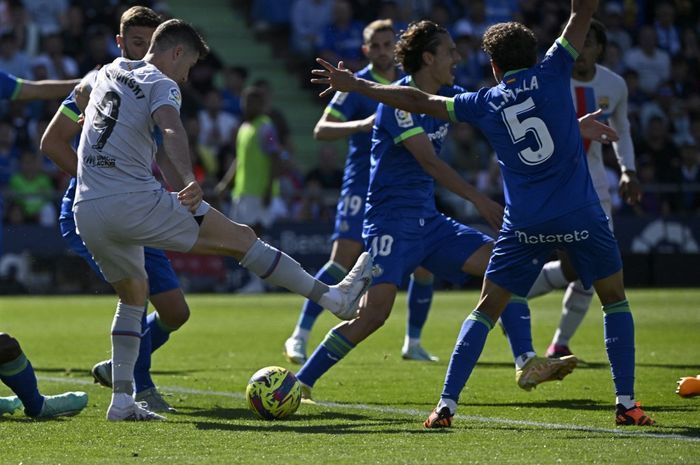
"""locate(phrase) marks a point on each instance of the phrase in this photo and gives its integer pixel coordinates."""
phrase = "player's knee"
(9, 348)
(373, 318)
(179, 317)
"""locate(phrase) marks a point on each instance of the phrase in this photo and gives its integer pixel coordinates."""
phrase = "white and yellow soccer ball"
(273, 393)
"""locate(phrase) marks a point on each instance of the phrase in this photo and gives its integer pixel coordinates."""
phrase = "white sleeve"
(624, 149)
(165, 92)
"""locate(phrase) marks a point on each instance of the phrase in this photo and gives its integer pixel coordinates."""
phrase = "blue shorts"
(349, 215)
(440, 244)
(161, 276)
(584, 235)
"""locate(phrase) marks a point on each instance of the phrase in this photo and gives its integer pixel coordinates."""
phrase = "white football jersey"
(607, 91)
(117, 146)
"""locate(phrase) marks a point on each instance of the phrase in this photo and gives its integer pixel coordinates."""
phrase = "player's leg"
(17, 373)
(470, 343)
(575, 305)
(375, 308)
(598, 262)
(550, 278)
(420, 297)
(220, 236)
(344, 253)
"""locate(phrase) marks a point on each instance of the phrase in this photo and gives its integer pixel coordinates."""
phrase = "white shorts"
(116, 228)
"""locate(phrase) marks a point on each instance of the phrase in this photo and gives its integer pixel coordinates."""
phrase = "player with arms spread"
(120, 207)
(402, 227)
(352, 115)
(529, 120)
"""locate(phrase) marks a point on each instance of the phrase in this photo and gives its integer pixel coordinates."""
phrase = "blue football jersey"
(351, 107)
(9, 86)
(398, 185)
(530, 121)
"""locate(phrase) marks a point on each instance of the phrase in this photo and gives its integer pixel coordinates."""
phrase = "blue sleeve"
(399, 124)
(343, 106)
(466, 107)
(559, 59)
(70, 108)
(9, 86)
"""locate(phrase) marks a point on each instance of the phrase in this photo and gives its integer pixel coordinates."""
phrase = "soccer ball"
(273, 393)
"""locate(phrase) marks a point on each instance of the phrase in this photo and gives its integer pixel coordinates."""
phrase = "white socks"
(126, 339)
(575, 305)
(551, 277)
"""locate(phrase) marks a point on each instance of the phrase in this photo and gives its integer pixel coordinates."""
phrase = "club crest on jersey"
(604, 103)
(403, 118)
(175, 96)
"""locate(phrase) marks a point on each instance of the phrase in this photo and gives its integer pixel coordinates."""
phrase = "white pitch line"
(417, 413)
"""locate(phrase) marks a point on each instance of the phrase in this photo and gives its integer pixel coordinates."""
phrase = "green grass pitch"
(372, 404)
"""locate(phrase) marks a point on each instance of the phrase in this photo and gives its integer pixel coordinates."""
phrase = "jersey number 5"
(519, 129)
(106, 118)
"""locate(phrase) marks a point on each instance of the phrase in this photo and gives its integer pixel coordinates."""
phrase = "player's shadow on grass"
(564, 404)
(245, 414)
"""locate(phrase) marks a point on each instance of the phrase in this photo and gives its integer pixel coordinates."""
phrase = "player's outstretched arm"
(580, 20)
(329, 127)
(593, 129)
(57, 142)
(406, 98)
(45, 90)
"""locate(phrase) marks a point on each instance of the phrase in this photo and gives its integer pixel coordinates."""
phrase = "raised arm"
(404, 97)
(580, 20)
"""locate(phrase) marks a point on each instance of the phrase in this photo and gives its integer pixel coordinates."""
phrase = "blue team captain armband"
(450, 104)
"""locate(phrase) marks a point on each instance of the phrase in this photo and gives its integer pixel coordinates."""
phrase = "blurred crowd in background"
(654, 45)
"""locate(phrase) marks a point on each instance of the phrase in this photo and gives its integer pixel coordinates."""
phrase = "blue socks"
(470, 343)
(333, 348)
(331, 273)
(618, 330)
(19, 376)
(153, 335)
(420, 296)
(516, 322)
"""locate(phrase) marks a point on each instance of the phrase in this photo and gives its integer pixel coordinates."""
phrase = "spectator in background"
(660, 150)
(234, 79)
(49, 15)
(97, 49)
(74, 32)
(58, 65)
(326, 172)
(9, 152)
(217, 128)
(469, 72)
(475, 19)
(651, 63)
(390, 9)
(271, 16)
(691, 50)
(309, 20)
(342, 39)
(32, 191)
(613, 20)
(20, 23)
(12, 60)
(667, 33)
(672, 110)
(284, 133)
(612, 59)
(688, 178)
(652, 202)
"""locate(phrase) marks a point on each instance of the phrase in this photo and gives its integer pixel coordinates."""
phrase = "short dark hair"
(378, 25)
(139, 16)
(510, 46)
(419, 37)
(178, 32)
(601, 35)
